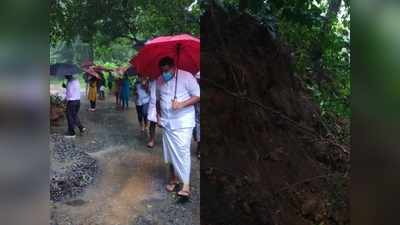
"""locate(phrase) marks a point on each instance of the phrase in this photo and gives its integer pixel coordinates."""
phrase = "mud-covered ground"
(128, 179)
(274, 161)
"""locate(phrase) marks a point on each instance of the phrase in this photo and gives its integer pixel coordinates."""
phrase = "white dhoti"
(176, 146)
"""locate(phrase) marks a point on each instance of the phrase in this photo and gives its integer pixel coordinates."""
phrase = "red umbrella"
(184, 48)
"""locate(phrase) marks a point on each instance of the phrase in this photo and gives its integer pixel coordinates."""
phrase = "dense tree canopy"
(107, 30)
(121, 18)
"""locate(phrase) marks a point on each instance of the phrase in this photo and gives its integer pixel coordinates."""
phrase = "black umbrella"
(62, 69)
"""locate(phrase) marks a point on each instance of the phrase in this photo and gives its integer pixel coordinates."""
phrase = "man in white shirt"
(177, 92)
(73, 97)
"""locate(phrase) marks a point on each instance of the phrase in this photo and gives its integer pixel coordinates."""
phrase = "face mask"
(167, 76)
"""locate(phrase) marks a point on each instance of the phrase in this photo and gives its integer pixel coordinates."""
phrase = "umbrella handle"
(176, 82)
(178, 50)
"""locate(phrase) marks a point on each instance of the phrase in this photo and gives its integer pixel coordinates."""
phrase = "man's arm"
(191, 101)
(194, 90)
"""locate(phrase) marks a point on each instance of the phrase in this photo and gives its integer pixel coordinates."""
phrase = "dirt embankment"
(270, 164)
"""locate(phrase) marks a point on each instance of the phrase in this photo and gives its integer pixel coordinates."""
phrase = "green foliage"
(117, 53)
(331, 89)
(105, 21)
(105, 31)
(168, 17)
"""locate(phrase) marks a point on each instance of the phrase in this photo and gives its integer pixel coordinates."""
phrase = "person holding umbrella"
(72, 97)
(177, 92)
(92, 96)
(92, 79)
(172, 60)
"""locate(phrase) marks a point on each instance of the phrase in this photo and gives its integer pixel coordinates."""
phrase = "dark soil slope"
(265, 158)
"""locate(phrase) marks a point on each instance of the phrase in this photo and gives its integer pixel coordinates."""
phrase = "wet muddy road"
(129, 187)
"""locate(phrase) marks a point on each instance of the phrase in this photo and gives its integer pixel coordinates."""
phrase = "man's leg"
(125, 104)
(173, 179)
(185, 161)
(152, 132)
(182, 163)
(177, 150)
(77, 121)
(70, 118)
(144, 113)
(139, 110)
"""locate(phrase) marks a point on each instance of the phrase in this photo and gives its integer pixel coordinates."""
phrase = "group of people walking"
(118, 86)
(170, 102)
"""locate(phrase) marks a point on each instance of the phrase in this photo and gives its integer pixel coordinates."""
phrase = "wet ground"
(128, 187)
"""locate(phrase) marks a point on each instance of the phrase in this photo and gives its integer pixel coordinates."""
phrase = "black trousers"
(92, 104)
(142, 112)
(72, 116)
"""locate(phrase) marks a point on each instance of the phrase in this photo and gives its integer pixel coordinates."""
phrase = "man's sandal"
(185, 194)
(150, 145)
